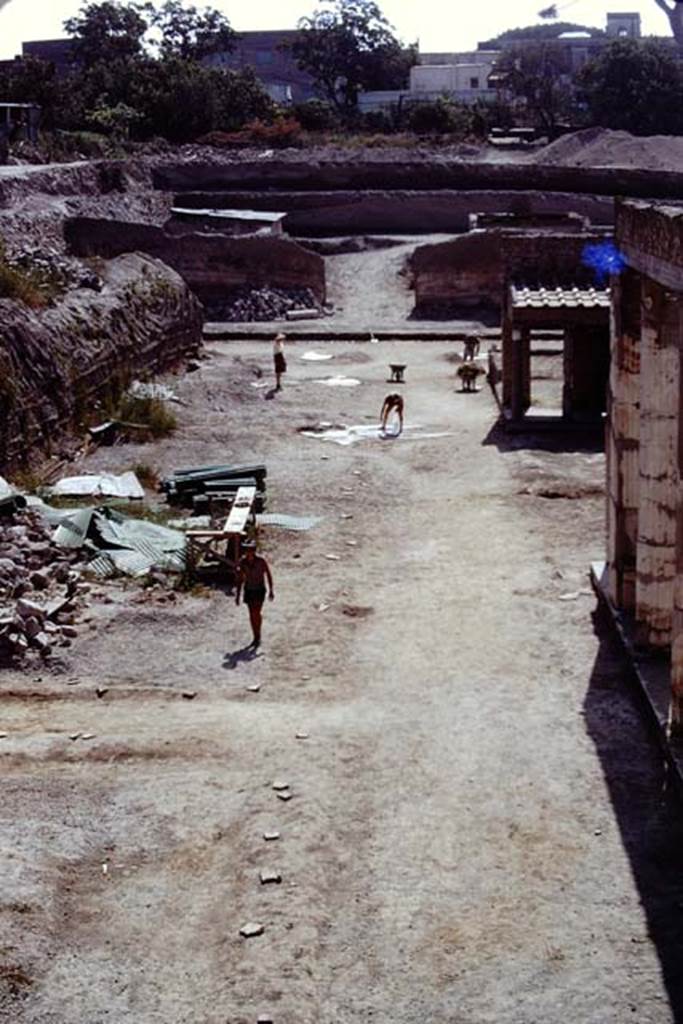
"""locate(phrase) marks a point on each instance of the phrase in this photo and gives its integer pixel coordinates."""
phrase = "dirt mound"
(600, 147)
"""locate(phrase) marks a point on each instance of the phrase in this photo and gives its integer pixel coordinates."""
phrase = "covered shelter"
(20, 121)
(570, 322)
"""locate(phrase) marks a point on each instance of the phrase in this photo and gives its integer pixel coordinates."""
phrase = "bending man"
(392, 402)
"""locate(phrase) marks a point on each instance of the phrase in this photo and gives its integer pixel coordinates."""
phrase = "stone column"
(677, 624)
(622, 437)
(658, 460)
(522, 385)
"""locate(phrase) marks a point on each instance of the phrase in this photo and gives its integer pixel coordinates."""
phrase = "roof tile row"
(559, 298)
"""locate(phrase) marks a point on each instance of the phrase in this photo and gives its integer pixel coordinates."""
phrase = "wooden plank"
(241, 510)
(205, 534)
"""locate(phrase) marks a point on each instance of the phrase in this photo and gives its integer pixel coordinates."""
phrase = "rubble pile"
(259, 304)
(53, 268)
(40, 588)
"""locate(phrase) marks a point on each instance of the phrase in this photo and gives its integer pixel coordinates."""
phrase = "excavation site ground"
(431, 795)
(477, 826)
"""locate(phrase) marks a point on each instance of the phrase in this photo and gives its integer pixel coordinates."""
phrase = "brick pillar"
(622, 437)
(677, 624)
(658, 460)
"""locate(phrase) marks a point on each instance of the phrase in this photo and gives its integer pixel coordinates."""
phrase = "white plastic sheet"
(339, 382)
(316, 357)
(102, 485)
(352, 435)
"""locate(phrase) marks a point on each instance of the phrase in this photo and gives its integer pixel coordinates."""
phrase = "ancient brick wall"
(320, 214)
(652, 240)
(470, 270)
(213, 265)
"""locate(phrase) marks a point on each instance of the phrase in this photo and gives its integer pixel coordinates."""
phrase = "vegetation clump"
(20, 284)
(152, 415)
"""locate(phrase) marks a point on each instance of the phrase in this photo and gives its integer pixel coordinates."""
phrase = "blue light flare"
(604, 258)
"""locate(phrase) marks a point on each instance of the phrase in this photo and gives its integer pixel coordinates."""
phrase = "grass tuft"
(150, 413)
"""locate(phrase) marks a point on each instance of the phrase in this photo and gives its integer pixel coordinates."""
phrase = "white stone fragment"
(251, 929)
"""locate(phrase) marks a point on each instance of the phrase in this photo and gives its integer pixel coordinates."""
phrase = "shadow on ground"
(477, 316)
(233, 659)
(647, 811)
(589, 440)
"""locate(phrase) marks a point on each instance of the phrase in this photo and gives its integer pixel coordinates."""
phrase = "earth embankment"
(55, 365)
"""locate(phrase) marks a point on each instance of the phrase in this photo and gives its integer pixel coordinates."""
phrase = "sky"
(438, 24)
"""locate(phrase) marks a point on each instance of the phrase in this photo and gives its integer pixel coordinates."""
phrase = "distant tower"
(624, 26)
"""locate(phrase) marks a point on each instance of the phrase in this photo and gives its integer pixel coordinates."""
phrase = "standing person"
(252, 575)
(279, 359)
(391, 402)
(472, 345)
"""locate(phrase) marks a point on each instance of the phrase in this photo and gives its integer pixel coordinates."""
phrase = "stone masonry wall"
(213, 265)
(320, 214)
(471, 269)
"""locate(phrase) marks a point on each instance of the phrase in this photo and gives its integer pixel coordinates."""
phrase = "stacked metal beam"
(194, 488)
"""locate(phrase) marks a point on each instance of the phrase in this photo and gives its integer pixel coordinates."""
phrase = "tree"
(118, 120)
(191, 34)
(31, 80)
(439, 117)
(537, 74)
(675, 15)
(182, 99)
(140, 71)
(538, 33)
(634, 86)
(107, 30)
(349, 47)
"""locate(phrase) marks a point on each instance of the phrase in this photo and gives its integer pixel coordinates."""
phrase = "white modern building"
(465, 82)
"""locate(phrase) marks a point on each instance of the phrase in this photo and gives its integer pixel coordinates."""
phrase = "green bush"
(316, 116)
(440, 117)
(378, 121)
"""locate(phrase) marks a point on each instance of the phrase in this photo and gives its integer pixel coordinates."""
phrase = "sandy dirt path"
(372, 288)
(477, 831)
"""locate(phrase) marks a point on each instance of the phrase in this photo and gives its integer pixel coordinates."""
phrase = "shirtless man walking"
(252, 576)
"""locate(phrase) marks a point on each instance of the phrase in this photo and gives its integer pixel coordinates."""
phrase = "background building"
(269, 56)
(624, 25)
